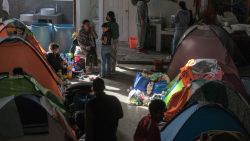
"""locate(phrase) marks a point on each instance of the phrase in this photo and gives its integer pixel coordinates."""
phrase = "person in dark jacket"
(114, 28)
(102, 115)
(182, 22)
(55, 60)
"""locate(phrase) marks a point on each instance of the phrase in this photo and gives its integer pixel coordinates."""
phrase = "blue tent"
(199, 118)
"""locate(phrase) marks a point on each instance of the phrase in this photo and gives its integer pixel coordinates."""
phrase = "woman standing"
(182, 21)
(87, 50)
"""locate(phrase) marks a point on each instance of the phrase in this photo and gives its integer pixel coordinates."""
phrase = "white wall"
(83, 11)
(86, 9)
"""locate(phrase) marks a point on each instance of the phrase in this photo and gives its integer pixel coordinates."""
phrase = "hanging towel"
(6, 6)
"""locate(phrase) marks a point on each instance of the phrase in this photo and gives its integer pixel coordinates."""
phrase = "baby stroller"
(76, 97)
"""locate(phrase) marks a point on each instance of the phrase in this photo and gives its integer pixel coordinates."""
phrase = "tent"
(30, 117)
(208, 69)
(222, 136)
(14, 85)
(246, 82)
(16, 52)
(199, 118)
(205, 41)
(14, 27)
(218, 92)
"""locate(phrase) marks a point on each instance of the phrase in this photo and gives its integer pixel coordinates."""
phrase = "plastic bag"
(159, 87)
(141, 82)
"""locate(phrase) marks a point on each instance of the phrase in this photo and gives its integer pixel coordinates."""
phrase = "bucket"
(43, 33)
(63, 36)
(133, 42)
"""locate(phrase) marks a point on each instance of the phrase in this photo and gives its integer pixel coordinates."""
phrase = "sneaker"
(142, 51)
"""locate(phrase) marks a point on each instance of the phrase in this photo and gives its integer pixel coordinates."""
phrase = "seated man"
(102, 115)
(148, 129)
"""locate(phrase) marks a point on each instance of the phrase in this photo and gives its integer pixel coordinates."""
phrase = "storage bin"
(133, 42)
(63, 36)
(43, 33)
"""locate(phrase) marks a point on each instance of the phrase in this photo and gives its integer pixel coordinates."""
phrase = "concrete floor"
(123, 79)
(118, 86)
(126, 55)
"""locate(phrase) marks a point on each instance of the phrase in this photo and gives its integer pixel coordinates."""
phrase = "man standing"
(182, 22)
(102, 115)
(114, 28)
(142, 21)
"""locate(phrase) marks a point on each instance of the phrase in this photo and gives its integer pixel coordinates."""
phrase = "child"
(114, 28)
(106, 52)
(74, 43)
(147, 129)
(54, 59)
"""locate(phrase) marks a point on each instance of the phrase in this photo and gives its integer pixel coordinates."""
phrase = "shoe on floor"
(142, 51)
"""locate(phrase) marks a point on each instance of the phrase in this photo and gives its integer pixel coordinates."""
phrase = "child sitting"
(148, 129)
(106, 51)
(55, 60)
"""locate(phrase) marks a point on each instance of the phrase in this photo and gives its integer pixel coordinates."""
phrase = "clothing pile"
(147, 87)
(178, 91)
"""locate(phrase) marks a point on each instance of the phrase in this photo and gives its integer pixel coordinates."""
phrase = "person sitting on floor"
(55, 60)
(148, 129)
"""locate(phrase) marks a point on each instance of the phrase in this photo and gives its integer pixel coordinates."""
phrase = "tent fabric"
(199, 118)
(231, 79)
(210, 91)
(15, 52)
(246, 83)
(14, 27)
(222, 136)
(218, 92)
(176, 104)
(207, 69)
(16, 85)
(229, 44)
(194, 69)
(200, 42)
(174, 87)
(28, 117)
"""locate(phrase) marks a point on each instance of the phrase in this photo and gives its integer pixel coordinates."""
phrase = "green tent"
(25, 84)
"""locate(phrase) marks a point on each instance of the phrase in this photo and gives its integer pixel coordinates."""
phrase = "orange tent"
(16, 52)
(14, 27)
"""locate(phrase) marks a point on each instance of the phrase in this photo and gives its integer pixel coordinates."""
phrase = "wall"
(86, 9)
(158, 8)
(18, 7)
